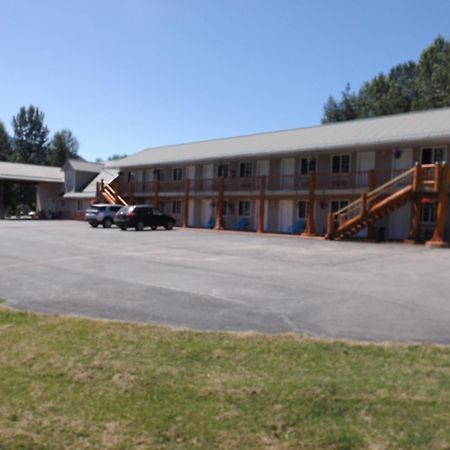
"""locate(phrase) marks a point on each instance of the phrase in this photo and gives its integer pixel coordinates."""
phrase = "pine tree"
(5, 144)
(63, 146)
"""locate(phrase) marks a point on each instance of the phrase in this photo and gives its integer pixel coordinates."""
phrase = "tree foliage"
(64, 145)
(407, 87)
(30, 136)
(5, 144)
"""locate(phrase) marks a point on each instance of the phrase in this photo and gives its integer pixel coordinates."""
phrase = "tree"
(30, 135)
(434, 75)
(116, 156)
(63, 146)
(5, 144)
(407, 87)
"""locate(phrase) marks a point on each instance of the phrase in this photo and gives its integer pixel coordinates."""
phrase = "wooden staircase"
(107, 192)
(377, 203)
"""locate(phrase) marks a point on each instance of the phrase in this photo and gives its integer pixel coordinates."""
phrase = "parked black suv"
(141, 216)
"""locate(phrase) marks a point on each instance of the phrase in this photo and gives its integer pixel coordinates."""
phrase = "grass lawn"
(78, 383)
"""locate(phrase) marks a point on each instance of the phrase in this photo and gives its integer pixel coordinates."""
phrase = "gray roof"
(107, 175)
(84, 166)
(30, 172)
(400, 129)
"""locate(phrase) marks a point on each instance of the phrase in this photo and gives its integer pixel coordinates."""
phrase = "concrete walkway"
(228, 281)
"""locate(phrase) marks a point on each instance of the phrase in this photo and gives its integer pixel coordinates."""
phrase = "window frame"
(246, 213)
(177, 174)
(340, 156)
(433, 152)
(176, 206)
(246, 165)
(222, 166)
(308, 160)
(306, 203)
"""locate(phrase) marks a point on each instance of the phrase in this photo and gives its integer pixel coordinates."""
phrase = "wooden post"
(220, 205)
(363, 210)
(155, 193)
(310, 226)
(372, 184)
(437, 177)
(102, 185)
(330, 226)
(97, 192)
(416, 212)
(185, 221)
(441, 217)
(416, 178)
(262, 203)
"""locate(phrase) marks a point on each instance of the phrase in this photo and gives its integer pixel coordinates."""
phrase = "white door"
(287, 172)
(207, 212)
(262, 167)
(399, 220)
(190, 172)
(191, 213)
(285, 215)
(266, 215)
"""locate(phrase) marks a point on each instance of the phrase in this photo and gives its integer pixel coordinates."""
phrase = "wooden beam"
(330, 226)
(156, 193)
(310, 229)
(416, 212)
(417, 179)
(185, 220)
(372, 184)
(262, 203)
(441, 217)
(220, 204)
(363, 211)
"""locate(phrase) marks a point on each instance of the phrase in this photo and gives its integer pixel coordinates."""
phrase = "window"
(222, 170)
(158, 175)
(177, 174)
(308, 165)
(80, 205)
(302, 209)
(340, 164)
(429, 212)
(245, 170)
(336, 205)
(431, 155)
(176, 207)
(244, 208)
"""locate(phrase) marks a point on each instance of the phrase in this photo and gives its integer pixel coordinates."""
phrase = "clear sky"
(125, 75)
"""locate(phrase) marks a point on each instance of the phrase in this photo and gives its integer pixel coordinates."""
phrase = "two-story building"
(285, 181)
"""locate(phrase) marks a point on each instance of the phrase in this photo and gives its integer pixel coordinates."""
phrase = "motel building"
(382, 177)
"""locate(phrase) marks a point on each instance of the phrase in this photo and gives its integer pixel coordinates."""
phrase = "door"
(365, 161)
(262, 168)
(285, 215)
(207, 212)
(287, 173)
(399, 219)
(190, 172)
(191, 213)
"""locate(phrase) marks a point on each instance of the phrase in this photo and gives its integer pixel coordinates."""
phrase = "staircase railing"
(110, 194)
(360, 206)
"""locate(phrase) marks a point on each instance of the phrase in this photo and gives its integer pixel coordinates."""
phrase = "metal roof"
(399, 129)
(90, 191)
(30, 172)
(84, 166)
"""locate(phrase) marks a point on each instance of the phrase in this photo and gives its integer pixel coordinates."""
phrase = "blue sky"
(125, 75)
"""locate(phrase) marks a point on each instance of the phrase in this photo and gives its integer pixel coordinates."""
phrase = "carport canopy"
(30, 173)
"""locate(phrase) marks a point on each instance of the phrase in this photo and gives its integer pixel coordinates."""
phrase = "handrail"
(390, 183)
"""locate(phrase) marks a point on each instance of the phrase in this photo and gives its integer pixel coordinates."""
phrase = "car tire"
(139, 226)
(154, 227)
(123, 228)
(169, 225)
(107, 223)
(94, 225)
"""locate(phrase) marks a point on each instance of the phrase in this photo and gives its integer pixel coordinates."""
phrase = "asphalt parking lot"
(204, 279)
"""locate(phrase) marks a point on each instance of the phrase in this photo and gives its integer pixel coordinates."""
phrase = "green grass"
(77, 383)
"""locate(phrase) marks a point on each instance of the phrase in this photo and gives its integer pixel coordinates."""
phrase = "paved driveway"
(228, 281)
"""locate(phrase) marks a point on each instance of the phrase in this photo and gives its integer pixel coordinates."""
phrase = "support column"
(438, 240)
(97, 192)
(363, 211)
(330, 227)
(262, 203)
(155, 193)
(416, 206)
(186, 204)
(220, 204)
(310, 226)
(372, 184)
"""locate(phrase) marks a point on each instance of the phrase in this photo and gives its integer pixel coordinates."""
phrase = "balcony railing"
(282, 183)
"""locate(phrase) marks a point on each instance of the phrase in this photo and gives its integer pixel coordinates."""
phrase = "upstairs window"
(245, 170)
(431, 155)
(158, 174)
(340, 164)
(222, 170)
(177, 174)
(308, 165)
